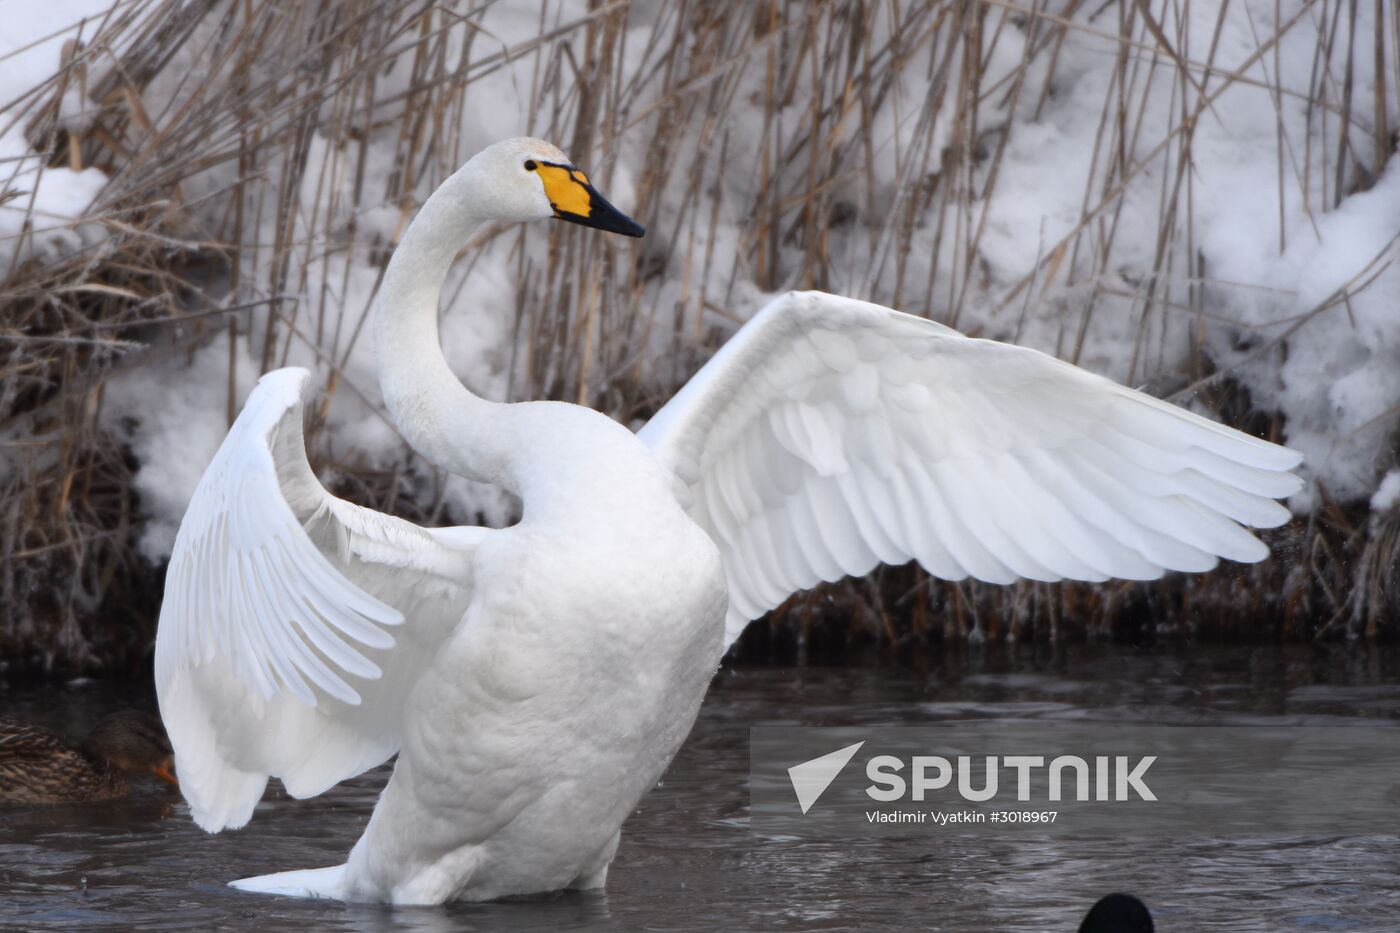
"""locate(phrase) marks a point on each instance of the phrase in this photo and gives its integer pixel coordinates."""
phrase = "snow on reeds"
(1198, 197)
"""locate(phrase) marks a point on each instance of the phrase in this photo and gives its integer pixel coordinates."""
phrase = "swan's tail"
(309, 882)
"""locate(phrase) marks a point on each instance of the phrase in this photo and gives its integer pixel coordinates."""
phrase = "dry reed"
(245, 88)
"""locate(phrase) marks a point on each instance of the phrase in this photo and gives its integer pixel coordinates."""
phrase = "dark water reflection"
(689, 861)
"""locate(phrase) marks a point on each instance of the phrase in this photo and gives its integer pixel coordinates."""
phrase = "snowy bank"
(1207, 206)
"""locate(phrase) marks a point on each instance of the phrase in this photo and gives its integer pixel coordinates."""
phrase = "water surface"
(689, 860)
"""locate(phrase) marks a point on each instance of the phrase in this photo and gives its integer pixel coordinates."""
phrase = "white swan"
(536, 680)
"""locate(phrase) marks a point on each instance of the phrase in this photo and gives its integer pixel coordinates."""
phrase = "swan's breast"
(624, 578)
(598, 648)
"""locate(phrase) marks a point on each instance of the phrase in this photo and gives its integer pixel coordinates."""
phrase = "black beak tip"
(607, 218)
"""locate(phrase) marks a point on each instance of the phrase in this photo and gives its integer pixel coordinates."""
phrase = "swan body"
(553, 708)
(536, 680)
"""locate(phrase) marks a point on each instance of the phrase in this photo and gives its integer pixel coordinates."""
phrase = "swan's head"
(529, 179)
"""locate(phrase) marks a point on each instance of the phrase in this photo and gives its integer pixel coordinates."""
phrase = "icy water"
(689, 860)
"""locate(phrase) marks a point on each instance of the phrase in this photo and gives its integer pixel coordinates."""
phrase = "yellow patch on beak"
(567, 189)
(574, 199)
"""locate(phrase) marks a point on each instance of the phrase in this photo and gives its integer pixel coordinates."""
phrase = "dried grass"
(261, 75)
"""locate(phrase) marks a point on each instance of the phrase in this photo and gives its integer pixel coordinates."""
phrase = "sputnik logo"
(811, 778)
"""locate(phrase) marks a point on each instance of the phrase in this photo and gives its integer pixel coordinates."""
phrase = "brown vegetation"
(188, 92)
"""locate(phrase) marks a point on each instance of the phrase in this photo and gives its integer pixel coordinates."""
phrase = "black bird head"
(1117, 913)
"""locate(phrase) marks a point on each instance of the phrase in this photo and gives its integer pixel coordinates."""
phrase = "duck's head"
(133, 742)
(530, 179)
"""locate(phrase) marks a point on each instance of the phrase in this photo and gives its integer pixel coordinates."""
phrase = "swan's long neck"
(444, 421)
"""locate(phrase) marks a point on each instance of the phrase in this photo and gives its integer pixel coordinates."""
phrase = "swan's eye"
(530, 165)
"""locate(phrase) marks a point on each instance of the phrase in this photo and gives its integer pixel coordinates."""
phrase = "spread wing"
(294, 623)
(830, 435)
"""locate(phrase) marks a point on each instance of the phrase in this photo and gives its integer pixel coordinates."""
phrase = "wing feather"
(830, 434)
(274, 655)
(873, 517)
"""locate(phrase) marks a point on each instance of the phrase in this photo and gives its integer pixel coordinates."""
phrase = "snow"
(182, 422)
(1341, 381)
(1388, 493)
(50, 198)
(1261, 309)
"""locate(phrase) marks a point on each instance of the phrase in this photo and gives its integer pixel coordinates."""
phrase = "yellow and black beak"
(575, 199)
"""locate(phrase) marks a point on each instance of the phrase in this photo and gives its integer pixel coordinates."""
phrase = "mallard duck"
(536, 680)
(37, 766)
